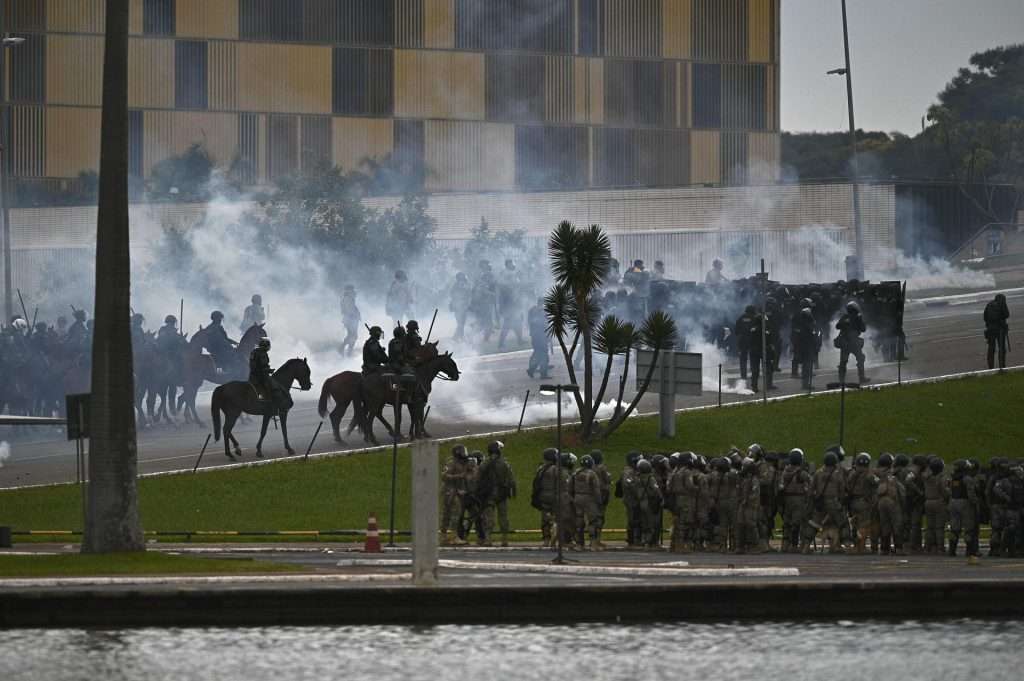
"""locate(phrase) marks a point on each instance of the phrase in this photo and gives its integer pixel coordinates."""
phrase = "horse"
(238, 397)
(369, 394)
(200, 367)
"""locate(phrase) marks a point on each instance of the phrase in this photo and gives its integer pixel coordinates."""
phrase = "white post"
(425, 484)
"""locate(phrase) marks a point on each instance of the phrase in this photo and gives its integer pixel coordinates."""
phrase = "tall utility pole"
(5, 156)
(854, 167)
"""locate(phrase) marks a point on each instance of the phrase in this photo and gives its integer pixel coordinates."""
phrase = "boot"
(860, 375)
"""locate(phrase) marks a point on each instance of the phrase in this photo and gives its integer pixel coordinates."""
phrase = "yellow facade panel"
(206, 19)
(596, 91)
(469, 155)
(150, 73)
(170, 133)
(676, 28)
(223, 76)
(439, 24)
(355, 139)
(72, 140)
(759, 30)
(76, 16)
(466, 83)
(763, 157)
(135, 16)
(284, 78)
(435, 84)
(581, 85)
(559, 98)
(74, 70)
(705, 157)
(772, 94)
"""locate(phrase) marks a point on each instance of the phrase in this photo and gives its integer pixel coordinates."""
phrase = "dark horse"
(240, 396)
(369, 394)
(200, 367)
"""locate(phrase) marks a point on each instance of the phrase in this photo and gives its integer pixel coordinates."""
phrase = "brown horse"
(200, 367)
(369, 394)
(238, 397)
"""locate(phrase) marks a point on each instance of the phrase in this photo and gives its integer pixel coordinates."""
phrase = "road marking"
(48, 583)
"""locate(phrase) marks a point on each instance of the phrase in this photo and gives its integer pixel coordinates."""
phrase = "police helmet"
(885, 460)
(19, 324)
(257, 299)
(79, 315)
(838, 451)
(936, 465)
(572, 460)
(920, 460)
(796, 457)
(638, 264)
(632, 458)
(852, 307)
(975, 464)
(216, 315)
(349, 288)
(720, 463)
(495, 447)
(459, 451)
(749, 465)
(264, 343)
(587, 461)
(658, 459)
(755, 451)
(702, 461)
(675, 460)
(735, 460)
(831, 459)
(901, 461)
(137, 318)
(688, 459)
(400, 275)
(376, 331)
(550, 454)
(170, 319)
(862, 459)
(399, 332)
(598, 457)
(412, 325)
(960, 465)
(806, 302)
(716, 263)
(644, 466)
(807, 313)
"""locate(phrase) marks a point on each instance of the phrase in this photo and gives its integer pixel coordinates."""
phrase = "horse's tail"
(215, 408)
(324, 394)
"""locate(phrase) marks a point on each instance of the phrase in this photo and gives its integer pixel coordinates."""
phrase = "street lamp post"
(557, 390)
(6, 43)
(854, 166)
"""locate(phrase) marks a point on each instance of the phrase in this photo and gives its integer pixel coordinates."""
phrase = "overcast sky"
(903, 53)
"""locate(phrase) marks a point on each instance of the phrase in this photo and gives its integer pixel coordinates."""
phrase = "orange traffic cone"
(372, 544)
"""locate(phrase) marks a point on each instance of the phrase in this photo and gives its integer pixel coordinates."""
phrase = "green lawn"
(149, 563)
(974, 417)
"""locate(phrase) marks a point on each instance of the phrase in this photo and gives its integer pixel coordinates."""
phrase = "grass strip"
(971, 417)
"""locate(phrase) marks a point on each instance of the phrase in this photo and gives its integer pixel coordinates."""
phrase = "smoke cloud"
(5, 453)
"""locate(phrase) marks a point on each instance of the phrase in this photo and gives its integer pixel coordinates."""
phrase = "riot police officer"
(260, 371)
(374, 356)
(396, 351)
(413, 341)
(997, 331)
(217, 341)
(851, 325)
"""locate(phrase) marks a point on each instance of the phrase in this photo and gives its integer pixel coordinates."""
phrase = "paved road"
(945, 336)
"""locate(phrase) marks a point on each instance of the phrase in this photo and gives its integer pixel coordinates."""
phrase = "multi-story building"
(488, 94)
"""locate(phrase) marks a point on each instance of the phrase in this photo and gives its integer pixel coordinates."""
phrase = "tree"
(580, 259)
(112, 518)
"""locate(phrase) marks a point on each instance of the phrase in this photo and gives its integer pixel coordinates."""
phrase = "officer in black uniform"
(742, 330)
(217, 341)
(805, 346)
(759, 350)
(77, 333)
(374, 356)
(413, 341)
(396, 351)
(997, 331)
(851, 325)
(137, 331)
(260, 373)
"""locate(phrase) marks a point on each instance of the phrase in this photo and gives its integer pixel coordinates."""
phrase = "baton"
(23, 310)
(431, 330)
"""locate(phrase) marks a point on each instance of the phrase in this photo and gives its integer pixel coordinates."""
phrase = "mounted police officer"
(396, 351)
(375, 357)
(413, 342)
(168, 332)
(997, 331)
(77, 332)
(260, 373)
(253, 314)
(217, 341)
(851, 325)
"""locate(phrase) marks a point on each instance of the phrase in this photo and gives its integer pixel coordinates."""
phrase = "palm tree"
(112, 518)
(580, 260)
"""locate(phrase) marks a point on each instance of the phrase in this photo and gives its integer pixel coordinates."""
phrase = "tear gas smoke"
(5, 453)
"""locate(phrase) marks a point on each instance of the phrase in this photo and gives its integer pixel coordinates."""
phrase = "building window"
(190, 74)
(515, 87)
(135, 143)
(362, 81)
(158, 17)
(28, 69)
(707, 95)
